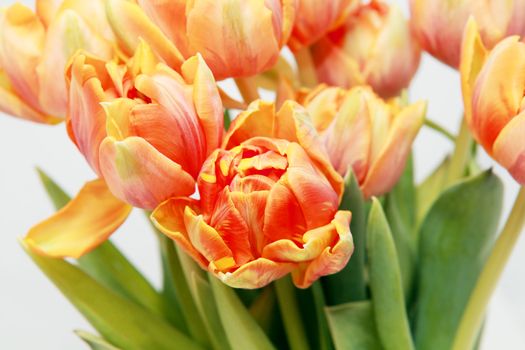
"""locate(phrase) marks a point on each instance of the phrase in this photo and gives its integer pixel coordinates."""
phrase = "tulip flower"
(316, 18)
(268, 207)
(493, 84)
(137, 123)
(236, 38)
(439, 24)
(35, 49)
(374, 46)
(364, 134)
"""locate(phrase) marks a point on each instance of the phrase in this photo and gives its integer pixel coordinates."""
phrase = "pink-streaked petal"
(140, 175)
(509, 148)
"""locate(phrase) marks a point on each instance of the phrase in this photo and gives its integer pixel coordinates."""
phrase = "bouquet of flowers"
(287, 222)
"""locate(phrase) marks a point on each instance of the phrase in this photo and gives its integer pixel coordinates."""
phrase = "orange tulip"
(363, 133)
(439, 24)
(493, 85)
(374, 46)
(316, 18)
(35, 49)
(237, 38)
(143, 127)
(267, 209)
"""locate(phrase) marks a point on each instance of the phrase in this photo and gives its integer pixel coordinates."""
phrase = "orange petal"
(83, 224)
(168, 217)
(12, 104)
(498, 91)
(140, 175)
(170, 17)
(316, 197)
(315, 18)
(509, 148)
(22, 38)
(86, 119)
(255, 274)
(257, 120)
(207, 100)
(67, 34)
(389, 165)
(473, 56)
(130, 24)
(47, 9)
(332, 259)
(236, 38)
(206, 240)
(294, 124)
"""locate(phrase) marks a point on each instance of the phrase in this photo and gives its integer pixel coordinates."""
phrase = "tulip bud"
(493, 85)
(135, 123)
(374, 46)
(266, 210)
(316, 18)
(439, 24)
(364, 134)
(34, 53)
(236, 38)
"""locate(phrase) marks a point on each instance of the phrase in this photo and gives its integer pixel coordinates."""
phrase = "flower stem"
(293, 323)
(461, 156)
(435, 126)
(474, 313)
(305, 63)
(248, 88)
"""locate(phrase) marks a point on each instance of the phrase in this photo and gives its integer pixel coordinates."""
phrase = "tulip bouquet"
(289, 222)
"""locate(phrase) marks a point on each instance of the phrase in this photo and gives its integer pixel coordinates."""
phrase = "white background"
(33, 314)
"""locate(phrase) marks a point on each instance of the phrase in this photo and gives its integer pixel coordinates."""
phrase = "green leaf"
(227, 119)
(205, 301)
(455, 240)
(350, 284)
(179, 286)
(262, 309)
(95, 342)
(400, 207)
(385, 283)
(353, 327)
(57, 195)
(117, 319)
(106, 263)
(241, 329)
(430, 189)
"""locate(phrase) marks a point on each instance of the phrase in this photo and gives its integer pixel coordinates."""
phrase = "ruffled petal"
(255, 274)
(83, 224)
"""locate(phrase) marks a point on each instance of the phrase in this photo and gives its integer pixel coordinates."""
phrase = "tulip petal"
(257, 120)
(207, 100)
(86, 119)
(67, 34)
(498, 91)
(84, 223)
(130, 24)
(255, 274)
(316, 197)
(509, 148)
(236, 37)
(47, 9)
(473, 56)
(388, 167)
(332, 259)
(206, 240)
(140, 175)
(22, 38)
(168, 217)
(13, 105)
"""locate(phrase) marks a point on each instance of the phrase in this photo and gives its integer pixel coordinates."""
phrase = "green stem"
(474, 313)
(305, 64)
(435, 126)
(293, 323)
(461, 156)
(322, 322)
